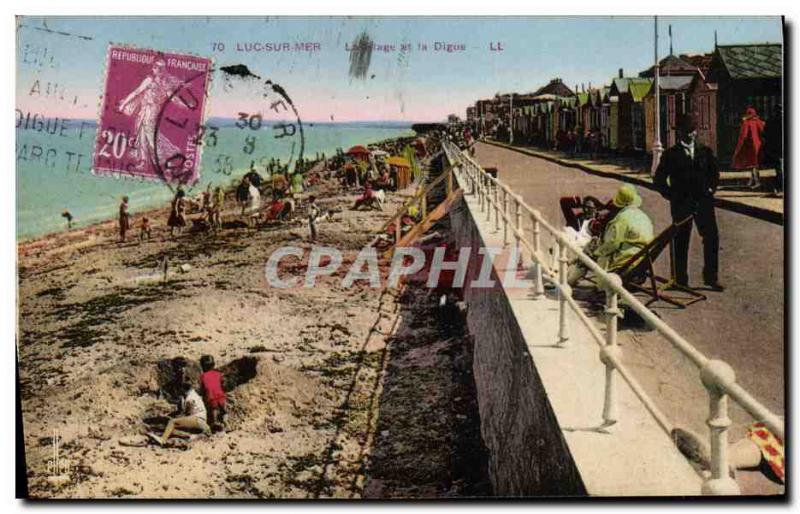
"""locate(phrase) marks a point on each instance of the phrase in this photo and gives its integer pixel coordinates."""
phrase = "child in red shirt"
(213, 392)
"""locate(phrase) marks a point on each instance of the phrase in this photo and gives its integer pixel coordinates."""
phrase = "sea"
(53, 166)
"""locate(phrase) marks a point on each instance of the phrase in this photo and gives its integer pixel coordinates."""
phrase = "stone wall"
(528, 455)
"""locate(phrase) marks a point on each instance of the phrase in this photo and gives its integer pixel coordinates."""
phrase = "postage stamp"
(152, 112)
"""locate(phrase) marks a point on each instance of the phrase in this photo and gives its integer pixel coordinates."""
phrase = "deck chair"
(638, 273)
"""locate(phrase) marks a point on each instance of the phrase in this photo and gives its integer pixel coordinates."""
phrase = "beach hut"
(584, 113)
(703, 104)
(618, 86)
(638, 90)
(605, 117)
(566, 112)
(748, 75)
(402, 169)
(674, 102)
(613, 121)
(548, 118)
(630, 123)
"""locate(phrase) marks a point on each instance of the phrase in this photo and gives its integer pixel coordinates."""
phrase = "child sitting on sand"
(194, 417)
(213, 393)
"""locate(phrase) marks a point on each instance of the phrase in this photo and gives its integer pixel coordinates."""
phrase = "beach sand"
(309, 415)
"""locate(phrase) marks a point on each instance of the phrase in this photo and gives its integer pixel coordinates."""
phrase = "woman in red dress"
(748, 149)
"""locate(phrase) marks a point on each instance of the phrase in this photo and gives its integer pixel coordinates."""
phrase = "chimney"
(620, 73)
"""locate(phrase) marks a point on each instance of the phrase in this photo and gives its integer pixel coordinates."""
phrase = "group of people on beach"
(371, 172)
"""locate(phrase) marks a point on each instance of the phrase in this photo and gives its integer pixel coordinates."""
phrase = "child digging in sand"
(213, 393)
(193, 418)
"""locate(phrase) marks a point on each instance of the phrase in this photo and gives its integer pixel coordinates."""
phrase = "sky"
(61, 60)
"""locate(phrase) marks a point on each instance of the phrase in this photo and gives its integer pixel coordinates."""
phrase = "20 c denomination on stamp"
(152, 112)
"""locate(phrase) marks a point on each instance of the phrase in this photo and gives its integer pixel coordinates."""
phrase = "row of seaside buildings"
(714, 88)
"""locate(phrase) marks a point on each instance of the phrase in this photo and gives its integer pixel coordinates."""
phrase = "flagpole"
(657, 148)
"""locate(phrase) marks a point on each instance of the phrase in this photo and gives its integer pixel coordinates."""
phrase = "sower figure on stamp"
(688, 177)
(144, 104)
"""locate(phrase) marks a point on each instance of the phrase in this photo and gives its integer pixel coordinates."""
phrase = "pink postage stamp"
(152, 115)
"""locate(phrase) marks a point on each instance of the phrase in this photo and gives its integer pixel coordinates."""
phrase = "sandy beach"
(333, 392)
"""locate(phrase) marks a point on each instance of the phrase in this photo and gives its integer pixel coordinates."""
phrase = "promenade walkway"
(743, 325)
(731, 194)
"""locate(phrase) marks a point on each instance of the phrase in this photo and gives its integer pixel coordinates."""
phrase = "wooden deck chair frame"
(638, 272)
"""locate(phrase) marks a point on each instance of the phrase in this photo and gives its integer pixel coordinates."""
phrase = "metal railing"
(717, 377)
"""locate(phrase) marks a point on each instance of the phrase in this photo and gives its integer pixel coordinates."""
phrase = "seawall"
(541, 403)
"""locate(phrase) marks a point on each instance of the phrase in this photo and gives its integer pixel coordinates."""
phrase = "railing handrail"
(716, 375)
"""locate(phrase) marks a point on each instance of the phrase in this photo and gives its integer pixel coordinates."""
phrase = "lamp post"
(511, 118)
(657, 148)
(483, 123)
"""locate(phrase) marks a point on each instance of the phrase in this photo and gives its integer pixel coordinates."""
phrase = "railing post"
(563, 291)
(496, 209)
(610, 351)
(505, 217)
(471, 176)
(716, 376)
(487, 185)
(517, 223)
(481, 199)
(537, 252)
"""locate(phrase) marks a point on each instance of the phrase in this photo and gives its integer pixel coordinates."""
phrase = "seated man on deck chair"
(627, 233)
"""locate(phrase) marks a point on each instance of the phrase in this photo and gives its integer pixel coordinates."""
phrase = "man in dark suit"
(688, 177)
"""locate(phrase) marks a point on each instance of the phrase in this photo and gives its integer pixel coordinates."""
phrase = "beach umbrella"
(357, 151)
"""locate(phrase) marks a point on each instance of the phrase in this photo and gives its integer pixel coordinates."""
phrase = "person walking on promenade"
(748, 148)
(688, 177)
(124, 219)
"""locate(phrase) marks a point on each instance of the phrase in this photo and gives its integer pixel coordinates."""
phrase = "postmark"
(152, 110)
(268, 128)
